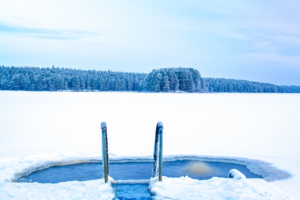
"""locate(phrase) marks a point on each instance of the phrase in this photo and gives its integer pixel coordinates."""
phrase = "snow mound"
(14, 168)
(236, 174)
(95, 189)
(215, 188)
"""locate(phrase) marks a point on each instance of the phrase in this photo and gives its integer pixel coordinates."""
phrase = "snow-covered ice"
(215, 188)
(255, 126)
(95, 189)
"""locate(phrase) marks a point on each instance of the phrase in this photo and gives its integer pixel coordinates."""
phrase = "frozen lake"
(257, 126)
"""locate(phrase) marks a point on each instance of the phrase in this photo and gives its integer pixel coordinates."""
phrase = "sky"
(256, 40)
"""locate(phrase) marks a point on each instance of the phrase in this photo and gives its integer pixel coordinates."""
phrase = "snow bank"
(14, 168)
(215, 188)
(92, 190)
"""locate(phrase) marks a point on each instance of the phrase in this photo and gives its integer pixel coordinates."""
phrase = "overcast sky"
(256, 40)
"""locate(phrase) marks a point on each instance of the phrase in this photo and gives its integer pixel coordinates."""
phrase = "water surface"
(135, 170)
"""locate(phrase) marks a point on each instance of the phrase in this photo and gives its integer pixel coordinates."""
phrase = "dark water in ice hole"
(131, 170)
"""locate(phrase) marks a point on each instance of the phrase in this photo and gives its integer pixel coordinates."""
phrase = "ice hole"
(136, 171)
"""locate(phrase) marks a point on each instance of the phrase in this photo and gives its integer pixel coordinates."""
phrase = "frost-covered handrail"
(158, 148)
(105, 161)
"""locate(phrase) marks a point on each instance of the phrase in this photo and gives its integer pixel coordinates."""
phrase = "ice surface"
(262, 127)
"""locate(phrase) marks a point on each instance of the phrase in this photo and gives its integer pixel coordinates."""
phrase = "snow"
(95, 189)
(236, 174)
(103, 125)
(160, 124)
(43, 128)
(215, 188)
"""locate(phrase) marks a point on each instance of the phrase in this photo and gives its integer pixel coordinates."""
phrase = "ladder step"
(131, 191)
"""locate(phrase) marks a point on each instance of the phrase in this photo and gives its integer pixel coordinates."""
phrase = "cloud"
(289, 61)
(241, 39)
(68, 34)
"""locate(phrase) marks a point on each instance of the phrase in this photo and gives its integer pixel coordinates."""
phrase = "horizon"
(147, 73)
(255, 41)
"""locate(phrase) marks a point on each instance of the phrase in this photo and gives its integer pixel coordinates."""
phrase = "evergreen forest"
(57, 79)
(159, 80)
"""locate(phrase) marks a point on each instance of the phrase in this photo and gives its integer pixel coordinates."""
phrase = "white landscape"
(40, 129)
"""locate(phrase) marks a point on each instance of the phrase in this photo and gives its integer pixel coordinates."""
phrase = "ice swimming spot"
(126, 175)
(136, 171)
(134, 178)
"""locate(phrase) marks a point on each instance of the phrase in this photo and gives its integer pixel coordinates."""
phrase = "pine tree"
(82, 83)
(76, 84)
(190, 87)
(158, 82)
(65, 86)
(3, 82)
(88, 84)
(183, 79)
(166, 84)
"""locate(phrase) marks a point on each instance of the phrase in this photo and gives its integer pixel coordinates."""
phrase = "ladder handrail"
(105, 159)
(158, 151)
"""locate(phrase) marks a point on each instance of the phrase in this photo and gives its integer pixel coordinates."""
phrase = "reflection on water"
(198, 168)
(139, 170)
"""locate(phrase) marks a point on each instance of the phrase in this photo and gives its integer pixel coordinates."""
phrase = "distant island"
(160, 80)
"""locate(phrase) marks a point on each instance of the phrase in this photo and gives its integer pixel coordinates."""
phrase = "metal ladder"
(157, 155)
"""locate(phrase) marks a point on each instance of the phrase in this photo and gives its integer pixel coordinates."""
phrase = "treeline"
(233, 85)
(173, 80)
(160, 80)
(291, 89)
(55, 79)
